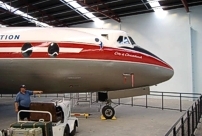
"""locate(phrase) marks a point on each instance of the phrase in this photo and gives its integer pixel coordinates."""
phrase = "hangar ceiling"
(61, 13)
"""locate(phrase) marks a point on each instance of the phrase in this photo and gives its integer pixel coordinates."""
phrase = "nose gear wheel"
(108, 112)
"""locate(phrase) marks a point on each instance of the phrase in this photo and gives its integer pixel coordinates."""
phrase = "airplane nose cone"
(168, 73)
(154, 70)
(165, 71)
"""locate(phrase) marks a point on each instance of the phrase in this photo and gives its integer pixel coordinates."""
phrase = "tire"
(74, 130)
(66, 131)
(108, 112)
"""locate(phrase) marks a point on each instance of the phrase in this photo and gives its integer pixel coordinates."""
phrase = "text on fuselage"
(9, 37)
(127, 55)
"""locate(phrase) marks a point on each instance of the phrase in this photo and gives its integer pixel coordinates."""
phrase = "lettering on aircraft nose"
(127, 55)
(53, 50)
(26, 49)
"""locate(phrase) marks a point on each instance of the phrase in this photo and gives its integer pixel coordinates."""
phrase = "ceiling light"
(160, 13)
(158, 9)
(96, 19)
(24, 15)
(154, 3)
(2, 25)
(98, 22)
(81, 9)
(74, 4)
(90, 15)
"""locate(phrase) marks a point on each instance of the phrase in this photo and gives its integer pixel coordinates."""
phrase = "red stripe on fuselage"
(88, 52)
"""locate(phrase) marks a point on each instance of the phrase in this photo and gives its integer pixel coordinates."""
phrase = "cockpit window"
(131, 40)
(123, 40)
(120, 39)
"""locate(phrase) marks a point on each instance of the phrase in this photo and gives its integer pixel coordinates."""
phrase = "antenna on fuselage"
(120, 25)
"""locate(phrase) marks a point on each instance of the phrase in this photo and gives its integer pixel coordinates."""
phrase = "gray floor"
(198, 131)
(131, 121)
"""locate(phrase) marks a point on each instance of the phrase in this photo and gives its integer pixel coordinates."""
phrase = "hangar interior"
(173, 34)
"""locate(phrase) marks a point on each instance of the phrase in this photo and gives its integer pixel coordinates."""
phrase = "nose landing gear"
(108, 111)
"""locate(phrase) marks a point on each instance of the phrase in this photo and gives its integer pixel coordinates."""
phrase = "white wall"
(196, 41)
(171, 39)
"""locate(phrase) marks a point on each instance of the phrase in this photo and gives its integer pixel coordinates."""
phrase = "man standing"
(22, 101)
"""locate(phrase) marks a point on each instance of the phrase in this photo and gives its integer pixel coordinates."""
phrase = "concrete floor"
(131, 121)
(198, 131)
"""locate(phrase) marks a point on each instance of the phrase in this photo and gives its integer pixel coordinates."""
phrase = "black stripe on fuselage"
(136, 48)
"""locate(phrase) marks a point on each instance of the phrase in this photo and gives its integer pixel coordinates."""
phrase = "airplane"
(74, 60)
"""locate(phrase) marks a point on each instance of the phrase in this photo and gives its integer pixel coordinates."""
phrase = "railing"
(7, 95)
(56, 95)
(185, 126)
(162, 96)
(74, 97)
(188, 123)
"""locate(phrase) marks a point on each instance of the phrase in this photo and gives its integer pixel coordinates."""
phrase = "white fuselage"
(63, 60)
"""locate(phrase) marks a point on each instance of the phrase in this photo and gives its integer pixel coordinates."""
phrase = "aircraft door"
(129, 77)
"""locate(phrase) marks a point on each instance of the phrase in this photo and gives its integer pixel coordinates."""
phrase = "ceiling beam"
(184, 2)
(3, 23)
(66, 11)
(12, 13)
(110, 12)
(164, 7)
(17, 15)
(112, 16)
(43, 13)
(36, 11)
(8, 12)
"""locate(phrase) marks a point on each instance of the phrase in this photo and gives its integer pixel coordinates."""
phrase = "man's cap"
(22, 86)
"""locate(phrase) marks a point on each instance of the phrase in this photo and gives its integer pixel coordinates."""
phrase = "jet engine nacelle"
(104, 96)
